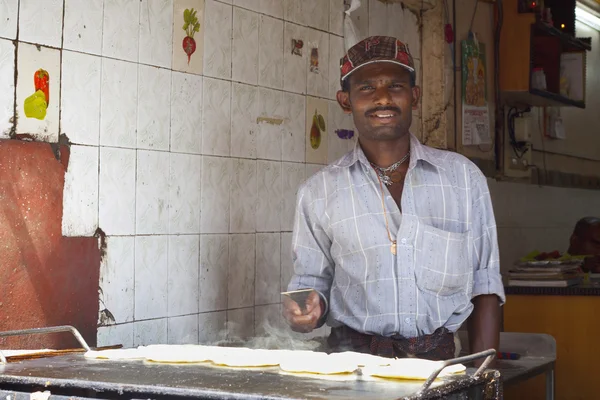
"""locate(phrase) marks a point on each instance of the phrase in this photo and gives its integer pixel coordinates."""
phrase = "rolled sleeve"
(487, 278)
(313, 265)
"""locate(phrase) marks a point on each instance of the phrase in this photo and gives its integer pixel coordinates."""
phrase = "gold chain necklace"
(393, 247)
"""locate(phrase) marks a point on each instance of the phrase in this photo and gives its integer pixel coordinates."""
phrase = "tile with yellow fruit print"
(316, 130)
(38, 92)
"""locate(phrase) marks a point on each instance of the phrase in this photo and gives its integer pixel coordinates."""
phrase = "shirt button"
(407, 320)
(403, 241)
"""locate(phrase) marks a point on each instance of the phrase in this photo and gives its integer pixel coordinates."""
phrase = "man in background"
(585, 241)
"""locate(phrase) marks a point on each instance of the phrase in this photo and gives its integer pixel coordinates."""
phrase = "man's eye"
(396, 86)
(366, 87)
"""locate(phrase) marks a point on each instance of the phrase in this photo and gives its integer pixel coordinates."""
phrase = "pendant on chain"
(387, 181)
(393, 248)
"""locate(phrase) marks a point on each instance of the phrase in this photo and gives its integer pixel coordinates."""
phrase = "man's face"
(381, 100)
(589, 242)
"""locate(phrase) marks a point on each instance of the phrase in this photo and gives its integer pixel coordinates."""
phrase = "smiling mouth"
(383, 114)
(384, 117)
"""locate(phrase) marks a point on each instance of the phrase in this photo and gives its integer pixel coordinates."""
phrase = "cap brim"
(386, 60)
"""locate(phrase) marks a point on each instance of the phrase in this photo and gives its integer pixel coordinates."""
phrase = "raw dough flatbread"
(412, 369)
(245, 357)
(179, 354)
(319, 363)
(361, 359)
(115, 354)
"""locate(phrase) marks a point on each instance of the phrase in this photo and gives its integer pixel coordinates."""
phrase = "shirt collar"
(418, 152)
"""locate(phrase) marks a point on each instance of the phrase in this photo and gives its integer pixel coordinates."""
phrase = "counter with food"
(540, 269)
(570, 314)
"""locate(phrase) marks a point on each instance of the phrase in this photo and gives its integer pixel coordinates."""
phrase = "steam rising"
(351, 33)
(274, 338)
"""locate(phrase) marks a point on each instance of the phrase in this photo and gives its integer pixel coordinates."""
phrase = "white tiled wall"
(195, 195)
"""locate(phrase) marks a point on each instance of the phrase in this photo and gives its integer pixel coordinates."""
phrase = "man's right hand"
(300, 320)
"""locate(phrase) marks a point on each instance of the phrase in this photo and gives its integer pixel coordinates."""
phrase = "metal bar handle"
(489, 354)
(52, 329)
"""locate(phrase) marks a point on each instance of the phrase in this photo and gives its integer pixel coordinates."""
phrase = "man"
(585, 241)
(394, 277)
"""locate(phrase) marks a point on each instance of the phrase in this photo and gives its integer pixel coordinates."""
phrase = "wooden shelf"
(538, 98)
(526, 44)
(570, 43)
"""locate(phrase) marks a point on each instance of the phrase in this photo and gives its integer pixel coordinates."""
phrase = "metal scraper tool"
(299, 296)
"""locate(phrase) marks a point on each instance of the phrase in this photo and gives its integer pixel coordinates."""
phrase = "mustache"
(383, 108)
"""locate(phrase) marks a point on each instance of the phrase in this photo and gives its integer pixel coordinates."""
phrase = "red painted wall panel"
(45, 279)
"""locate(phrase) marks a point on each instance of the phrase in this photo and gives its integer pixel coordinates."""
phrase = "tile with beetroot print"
(38, 92)
(188, 35)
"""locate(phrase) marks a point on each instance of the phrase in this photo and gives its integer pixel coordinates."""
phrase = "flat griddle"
(74, 375)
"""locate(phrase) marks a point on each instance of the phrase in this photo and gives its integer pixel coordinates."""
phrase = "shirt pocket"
(442, 261)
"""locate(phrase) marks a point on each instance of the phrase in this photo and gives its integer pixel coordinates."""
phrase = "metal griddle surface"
(200, 381)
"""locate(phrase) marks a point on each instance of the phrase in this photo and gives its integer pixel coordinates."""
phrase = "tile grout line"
(60, 77)
(13, 130)
(228, 283)
(282, 18)
(167, 283)
(134, 269)
(198, 287)
(100, 177)
(98, 134)
(135, 197)
(190, 314)
(199, 154)
(231, 85)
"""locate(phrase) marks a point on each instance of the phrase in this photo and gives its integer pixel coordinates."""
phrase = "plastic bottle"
(538, 78)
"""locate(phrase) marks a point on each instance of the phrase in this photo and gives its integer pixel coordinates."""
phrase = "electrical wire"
(454, 73)
(499, 131)
(473, 16)
(543, 134)
(519, 148)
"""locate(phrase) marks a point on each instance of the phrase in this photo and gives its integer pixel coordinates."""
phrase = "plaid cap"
(376, 49)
